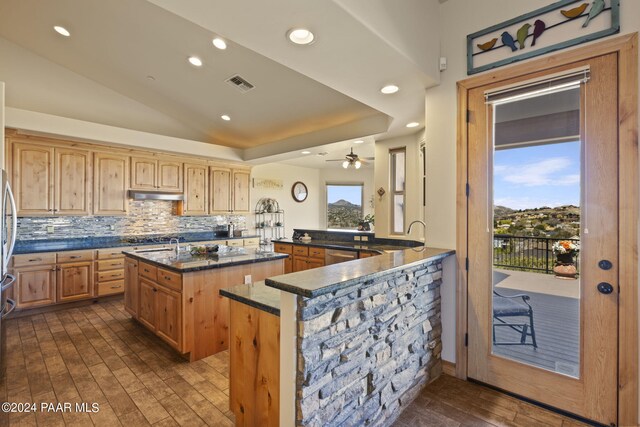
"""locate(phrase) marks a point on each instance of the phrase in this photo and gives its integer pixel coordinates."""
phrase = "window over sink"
(344, 205)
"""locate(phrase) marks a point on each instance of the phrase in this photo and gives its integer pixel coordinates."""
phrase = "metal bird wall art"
(596, 9)
(539, 27)
(575, 12)
(522, 35)
(507, 40)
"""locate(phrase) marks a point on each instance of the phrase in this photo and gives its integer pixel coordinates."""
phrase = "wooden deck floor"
(557, 324)
(450, 402)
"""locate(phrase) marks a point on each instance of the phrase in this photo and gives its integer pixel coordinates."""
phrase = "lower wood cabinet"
(75, 281)
(160, 311)
(35, 285)
(147, 307)
(288, 264)
(131, 288)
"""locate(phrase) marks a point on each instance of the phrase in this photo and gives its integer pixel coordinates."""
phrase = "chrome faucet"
(424, 236)
(177, 243)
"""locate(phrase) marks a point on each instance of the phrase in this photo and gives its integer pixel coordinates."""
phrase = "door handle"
(605, 288)
(10, 279)
(12, 303)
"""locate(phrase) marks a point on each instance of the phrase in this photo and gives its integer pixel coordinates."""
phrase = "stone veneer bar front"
(367, 338)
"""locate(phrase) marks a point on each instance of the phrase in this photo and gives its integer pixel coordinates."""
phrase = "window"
(344, 205)
(398, 176)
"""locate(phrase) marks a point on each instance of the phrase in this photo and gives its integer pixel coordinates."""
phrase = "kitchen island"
(357, 341)
(176, 295)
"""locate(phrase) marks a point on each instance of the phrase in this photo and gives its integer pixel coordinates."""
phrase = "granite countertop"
(186, 263)
(349, 246)
(323, 280)
(58, 245)
(255, 295)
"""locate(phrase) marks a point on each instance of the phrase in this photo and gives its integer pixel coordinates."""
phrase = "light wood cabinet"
(288, 264)
(168, 315)
(72, 170)
(147, 310)
(110, 184)
(153, 174)
(36, 286)
(196, 190)
(132, 289)
(241, 191)
(300, 263)
(74, 281)
(32, 181)
(220, 183)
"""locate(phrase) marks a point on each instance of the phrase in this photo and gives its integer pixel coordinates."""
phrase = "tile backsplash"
(145, 217)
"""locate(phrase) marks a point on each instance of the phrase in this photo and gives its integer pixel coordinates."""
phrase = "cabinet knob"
(155, 290)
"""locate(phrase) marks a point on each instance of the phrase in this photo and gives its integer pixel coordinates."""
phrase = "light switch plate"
(365, 238)
(51, 229)
(356, 238)
(247, 279)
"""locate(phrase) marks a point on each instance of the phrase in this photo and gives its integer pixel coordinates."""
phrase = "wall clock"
(299, 192)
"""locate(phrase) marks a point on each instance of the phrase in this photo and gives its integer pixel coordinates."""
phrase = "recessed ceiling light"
(225, 117)
(305, 152)
(219, 43)
(413, 124)
(195, 61)
(389, 89)
(62, 30)
(358, 141)
(300, 36)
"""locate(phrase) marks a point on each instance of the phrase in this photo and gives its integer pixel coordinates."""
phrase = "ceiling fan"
(352, 159)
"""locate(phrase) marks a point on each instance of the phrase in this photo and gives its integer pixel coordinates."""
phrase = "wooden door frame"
(626, 47)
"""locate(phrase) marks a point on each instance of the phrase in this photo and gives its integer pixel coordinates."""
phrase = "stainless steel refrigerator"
(8, 226)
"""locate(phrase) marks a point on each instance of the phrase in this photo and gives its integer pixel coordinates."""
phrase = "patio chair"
(506, 307)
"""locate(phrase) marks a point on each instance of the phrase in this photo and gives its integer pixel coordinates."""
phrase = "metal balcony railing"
(526, 253)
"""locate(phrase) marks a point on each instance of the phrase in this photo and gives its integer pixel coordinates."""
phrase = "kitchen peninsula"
(357, 340)
(176, 294)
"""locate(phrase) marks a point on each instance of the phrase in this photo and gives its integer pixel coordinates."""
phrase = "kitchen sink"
(142, 251)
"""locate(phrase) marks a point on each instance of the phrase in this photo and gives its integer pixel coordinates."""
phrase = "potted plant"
(366, 223)
(565, 252)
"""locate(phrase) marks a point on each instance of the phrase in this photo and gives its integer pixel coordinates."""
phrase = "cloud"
(528, 202)
(551, 171)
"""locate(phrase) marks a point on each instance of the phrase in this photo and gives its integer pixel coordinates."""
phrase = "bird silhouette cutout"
(508, 40)
(575, 12)
(596, 8)
(522, 35)
(487, 45)
(538, 28)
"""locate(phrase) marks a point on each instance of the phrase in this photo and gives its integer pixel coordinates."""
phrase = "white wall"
(457, 19)
(413, 185)
(346, 176)
(2, 124)
(297, 215)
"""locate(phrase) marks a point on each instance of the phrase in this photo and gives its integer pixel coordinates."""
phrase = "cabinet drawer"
(111, 264)
(236, 242)
(113, 287)
(75, 256)
(254, 241)
(301, 250)
(283, 248)
(34, 259)
(147, 270)
(112, 253)
(170, 279)
(316, 253)
(105, 276)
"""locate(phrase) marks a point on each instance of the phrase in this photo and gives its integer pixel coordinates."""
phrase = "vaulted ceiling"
(132, 56)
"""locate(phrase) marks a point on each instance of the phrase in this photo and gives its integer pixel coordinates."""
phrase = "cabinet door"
(111, 180)
(147, 313)
(168, 315)
(241, 197)
(300, 263)
(288, 264)
(75, 281)
(144, 173)
(315, 263)
(72, 170)
(169, 175)
(35, 286)
(220, 190)
(33, 179)
(196, 190)
(131, 288)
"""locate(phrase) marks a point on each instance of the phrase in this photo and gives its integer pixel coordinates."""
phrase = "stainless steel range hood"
(154, 195)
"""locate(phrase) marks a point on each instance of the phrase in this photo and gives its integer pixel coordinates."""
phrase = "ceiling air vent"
(241, 84)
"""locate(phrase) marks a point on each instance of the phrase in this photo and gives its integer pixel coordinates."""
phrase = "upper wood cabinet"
(241, 196)
(196, 190)
(51, 181)
(72, 171)
(153, 174)
(32, 167)
(110, 184)
(220, 184)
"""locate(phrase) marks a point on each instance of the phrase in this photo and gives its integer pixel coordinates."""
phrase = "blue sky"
(532, 177)
(352, 194)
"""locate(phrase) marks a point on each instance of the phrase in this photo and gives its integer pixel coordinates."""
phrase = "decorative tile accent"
(145, 217)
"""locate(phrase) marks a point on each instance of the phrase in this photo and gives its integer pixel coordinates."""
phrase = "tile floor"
(97, 354)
